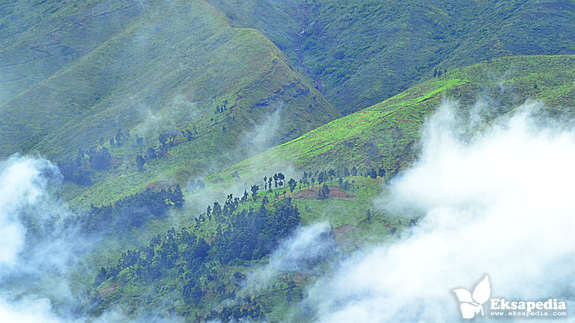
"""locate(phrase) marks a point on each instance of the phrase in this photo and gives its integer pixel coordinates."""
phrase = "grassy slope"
(275, 19)
(381, 135)
(336, 211)
(392, 127)
(163, 55)
(504, 82)
(99, 66)
(160, 66)
(366, 52)
(386, 133)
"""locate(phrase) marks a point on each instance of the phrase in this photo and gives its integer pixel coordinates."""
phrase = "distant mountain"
(361, 53)
(71, 70)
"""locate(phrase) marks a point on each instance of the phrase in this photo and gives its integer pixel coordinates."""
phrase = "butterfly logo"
(472, 304)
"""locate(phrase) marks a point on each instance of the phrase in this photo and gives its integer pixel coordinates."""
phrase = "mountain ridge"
(392, 126)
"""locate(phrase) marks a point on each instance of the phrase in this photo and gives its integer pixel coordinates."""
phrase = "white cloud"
(40, 252)
(295, 254)
(21, 184)
(263, 136)
(27, 311)
(500, 203)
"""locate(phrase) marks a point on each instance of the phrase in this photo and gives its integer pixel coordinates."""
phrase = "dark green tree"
(346, 172)
(255, 189)
(177, 196)
(292, 184)
(101, 159)
(151, 153)
(201, 249)
(189, 135)
(140, 161)
(372, 173)
(381, 172)
(119, 137)
(323, 192)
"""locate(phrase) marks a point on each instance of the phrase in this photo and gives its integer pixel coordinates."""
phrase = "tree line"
(81, 168)
(131, 211)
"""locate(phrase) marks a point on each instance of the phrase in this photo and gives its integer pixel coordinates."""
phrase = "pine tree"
(140, 161)
(255, 189)
(292, 184)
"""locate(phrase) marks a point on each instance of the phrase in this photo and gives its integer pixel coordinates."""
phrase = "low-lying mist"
(299, 253)
(45, 275)
(493, 200)
(497, 201)
(263, 136)
(37, 251)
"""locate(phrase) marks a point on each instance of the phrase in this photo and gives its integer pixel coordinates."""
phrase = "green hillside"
(70, 70)
(166, 67)
(195, 136)
(361, 53)
(197, 271)
(385, 135)
(364, 52)
(239, 77)
(149, 68)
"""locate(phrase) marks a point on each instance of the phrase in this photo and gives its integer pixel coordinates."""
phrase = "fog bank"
(499, 202)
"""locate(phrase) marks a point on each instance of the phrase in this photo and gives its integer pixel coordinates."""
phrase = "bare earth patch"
(160, 185)
(108, 290)
(312, 194)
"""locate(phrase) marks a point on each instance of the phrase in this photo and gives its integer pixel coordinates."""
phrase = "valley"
(220, 161)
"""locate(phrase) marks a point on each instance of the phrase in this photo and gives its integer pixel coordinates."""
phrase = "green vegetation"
(345, 164)
(385, 135)
(186, 263)
(220, 68)
(197, 272)
(148, 74)
(157, 112)
(365, 52)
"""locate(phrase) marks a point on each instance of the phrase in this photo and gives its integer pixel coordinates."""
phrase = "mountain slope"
(363, 53)
(385, 135)
(108, 66)
(382, 136)
(96, 66)
(139, 70)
